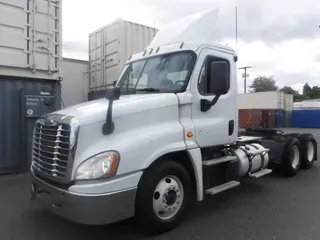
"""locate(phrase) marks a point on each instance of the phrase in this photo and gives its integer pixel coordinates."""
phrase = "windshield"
(165, 73)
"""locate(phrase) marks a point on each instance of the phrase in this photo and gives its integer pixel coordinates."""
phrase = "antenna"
(236, 19)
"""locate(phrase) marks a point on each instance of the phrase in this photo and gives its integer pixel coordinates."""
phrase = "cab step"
(208, 163)
(260, 173)
(222, 188)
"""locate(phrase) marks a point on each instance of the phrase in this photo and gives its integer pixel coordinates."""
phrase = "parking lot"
(270, 208)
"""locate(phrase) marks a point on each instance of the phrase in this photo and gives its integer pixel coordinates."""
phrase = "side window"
(203, 81)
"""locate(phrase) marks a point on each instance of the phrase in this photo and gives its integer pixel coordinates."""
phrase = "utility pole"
(245, 75)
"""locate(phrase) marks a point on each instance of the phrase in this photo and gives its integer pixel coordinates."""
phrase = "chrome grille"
(51, 149)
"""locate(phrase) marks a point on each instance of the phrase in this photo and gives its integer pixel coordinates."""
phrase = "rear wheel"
(291, 157)
(308, 150)
(164, 197)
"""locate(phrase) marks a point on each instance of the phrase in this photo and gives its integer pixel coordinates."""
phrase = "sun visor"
(198, 27)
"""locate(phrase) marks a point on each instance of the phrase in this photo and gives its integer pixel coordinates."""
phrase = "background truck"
(165, 136)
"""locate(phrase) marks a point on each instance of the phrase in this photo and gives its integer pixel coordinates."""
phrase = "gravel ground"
(270, 208)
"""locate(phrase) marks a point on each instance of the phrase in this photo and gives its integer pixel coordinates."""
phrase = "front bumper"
(89, 209)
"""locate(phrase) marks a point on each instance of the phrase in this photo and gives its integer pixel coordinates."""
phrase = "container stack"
(265, 110)
(306, 114)
(30, 75)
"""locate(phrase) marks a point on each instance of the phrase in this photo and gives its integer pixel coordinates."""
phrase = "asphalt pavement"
(270, 208)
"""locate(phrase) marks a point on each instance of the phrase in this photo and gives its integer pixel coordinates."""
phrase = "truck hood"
(95, 111)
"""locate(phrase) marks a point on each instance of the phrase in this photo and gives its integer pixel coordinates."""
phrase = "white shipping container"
(30, 38)
(111, 46)
(75, 84)
(261, 100)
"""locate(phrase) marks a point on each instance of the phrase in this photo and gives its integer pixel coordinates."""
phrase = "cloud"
(316, 58)
(279, 38)
(269, 21)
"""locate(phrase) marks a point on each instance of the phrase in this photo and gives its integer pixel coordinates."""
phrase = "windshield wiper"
(148, 90)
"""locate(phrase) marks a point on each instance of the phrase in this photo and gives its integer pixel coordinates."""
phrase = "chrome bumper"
(91, 209)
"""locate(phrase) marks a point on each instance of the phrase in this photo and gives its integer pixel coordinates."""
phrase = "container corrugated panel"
(288, 118)
(268, 118)
(288, 102)
(261, 100)
(111, 46)
(30, 38)
(280, 118)
(306, 118)
(22, 101)
(249, 118)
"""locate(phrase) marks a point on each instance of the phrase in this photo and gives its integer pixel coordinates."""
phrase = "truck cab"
(165, 136)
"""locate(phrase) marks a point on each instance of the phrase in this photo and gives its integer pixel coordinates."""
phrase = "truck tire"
(164, 197)
(308, 150)
(291, 157)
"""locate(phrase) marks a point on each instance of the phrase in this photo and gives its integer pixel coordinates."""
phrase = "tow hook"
(34, 192)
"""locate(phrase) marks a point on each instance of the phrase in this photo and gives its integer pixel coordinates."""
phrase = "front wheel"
(164, 197)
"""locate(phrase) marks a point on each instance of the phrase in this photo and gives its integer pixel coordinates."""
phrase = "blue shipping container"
(287, 118)
(280, 122)
(306, 118)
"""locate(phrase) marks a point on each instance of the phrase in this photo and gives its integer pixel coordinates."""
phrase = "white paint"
(212, 126)
(75, 84)
(196, 159)
(107, 186)
(127, 105)
(141, 137)
(41, 48)
(111, 46)
(192, 28)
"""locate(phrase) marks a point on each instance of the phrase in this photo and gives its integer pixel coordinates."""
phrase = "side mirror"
(218, 83)
(218, 77)
(114, 83)
(113, 93)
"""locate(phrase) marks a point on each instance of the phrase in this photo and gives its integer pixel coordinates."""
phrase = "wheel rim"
(310, 151)
(168, 197)
(295, 156)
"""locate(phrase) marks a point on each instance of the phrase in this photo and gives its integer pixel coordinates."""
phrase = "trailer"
(165, 136)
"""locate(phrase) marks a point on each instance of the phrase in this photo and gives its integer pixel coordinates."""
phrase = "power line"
(245, 75)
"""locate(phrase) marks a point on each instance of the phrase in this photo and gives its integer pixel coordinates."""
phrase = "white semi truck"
(165, 136)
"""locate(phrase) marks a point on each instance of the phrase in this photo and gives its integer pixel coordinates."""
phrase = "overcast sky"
(277, 37)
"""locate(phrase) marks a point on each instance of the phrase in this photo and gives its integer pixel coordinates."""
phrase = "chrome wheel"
(295, 156)
(310, 151)
(168, 197)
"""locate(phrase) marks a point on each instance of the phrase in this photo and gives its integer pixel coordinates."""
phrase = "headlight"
(103, 165)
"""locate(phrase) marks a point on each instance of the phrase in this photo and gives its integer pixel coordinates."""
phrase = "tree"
(314, 93)
(297, 97)
(289, 90)
(306, 90)
(264, 84)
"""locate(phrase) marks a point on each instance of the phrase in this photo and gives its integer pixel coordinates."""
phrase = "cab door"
(218, 124)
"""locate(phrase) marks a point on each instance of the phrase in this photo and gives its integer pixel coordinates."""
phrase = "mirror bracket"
(112, 95)
(206, 105)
